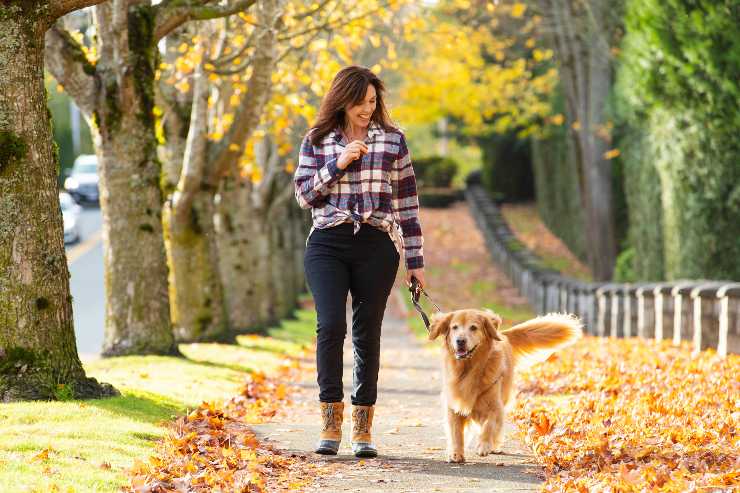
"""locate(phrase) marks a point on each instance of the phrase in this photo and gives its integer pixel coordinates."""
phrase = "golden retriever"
(479, 362)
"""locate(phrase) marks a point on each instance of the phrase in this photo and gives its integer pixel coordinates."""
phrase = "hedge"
(678, 87)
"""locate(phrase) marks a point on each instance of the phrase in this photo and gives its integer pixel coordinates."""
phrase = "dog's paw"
(496, 449)
(484, 449)
(455, 457)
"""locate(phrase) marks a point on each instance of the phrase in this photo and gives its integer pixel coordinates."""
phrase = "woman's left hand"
(418, 274)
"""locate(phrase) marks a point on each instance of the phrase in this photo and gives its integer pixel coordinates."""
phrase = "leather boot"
(362, 422)
(332, 414)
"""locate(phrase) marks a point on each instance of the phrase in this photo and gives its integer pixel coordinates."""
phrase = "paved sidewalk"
(408, 428)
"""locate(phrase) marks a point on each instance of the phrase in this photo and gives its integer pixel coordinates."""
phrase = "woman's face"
(359, 114)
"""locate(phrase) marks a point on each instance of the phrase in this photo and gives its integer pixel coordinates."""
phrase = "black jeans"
(365, 264)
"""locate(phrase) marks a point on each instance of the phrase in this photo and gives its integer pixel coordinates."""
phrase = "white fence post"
(696, 298)
(723, 293)
(615, 312)
(601, 323)
(676, 292)
(627, 322)
(640, 311)
(658, 301)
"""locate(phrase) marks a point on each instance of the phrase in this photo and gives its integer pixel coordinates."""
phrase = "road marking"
(79, 250)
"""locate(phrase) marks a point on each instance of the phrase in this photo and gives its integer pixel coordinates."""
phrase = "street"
(85, 259)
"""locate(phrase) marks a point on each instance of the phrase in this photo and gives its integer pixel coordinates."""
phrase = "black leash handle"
(416, 291)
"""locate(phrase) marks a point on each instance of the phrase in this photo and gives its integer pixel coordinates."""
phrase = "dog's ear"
(491, 322)
(439, 324)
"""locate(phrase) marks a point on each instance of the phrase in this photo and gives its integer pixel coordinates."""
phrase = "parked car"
(71, 216)
(82, 182)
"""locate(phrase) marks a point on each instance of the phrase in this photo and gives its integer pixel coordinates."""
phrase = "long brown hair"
(349, 88)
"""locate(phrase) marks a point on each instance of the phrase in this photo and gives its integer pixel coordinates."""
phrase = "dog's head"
(465, 331)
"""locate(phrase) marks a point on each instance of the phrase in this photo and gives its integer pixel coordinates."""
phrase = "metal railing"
(705, 312)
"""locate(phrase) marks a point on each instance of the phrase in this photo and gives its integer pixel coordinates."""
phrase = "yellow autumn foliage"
(489, 78)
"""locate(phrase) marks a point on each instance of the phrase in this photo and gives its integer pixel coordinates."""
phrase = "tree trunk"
(580, 35)
(288, 243)
(301, 225)
(137, 319)
(196, 292)
(274, 197)
(293, 245)
(38, 353)
(242, 238)
(597, 169)
(137, 303)
(243, 255)
(281, 287)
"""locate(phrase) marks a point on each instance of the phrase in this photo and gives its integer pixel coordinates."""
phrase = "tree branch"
(257, 96)
(224, 60)
(336, 23)
(302, 47)
(194, 160)
(235, 70)
(311, 11)
(172, 14)
(66, 61)
(58, 8)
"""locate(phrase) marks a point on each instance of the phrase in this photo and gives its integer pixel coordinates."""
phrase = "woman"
(355, 174)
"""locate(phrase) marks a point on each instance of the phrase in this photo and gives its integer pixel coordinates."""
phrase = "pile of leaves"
(630, 415)
(212, 448)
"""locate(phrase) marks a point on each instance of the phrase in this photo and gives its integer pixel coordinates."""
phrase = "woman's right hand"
(354, 150)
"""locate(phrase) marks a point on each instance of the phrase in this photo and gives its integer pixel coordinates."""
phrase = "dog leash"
(416, 291)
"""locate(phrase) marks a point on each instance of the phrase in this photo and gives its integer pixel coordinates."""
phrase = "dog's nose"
(460, 343)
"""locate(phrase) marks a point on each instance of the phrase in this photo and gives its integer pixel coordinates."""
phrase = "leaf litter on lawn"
(213, 449)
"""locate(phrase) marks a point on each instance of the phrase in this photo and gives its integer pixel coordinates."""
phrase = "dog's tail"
(535, 340)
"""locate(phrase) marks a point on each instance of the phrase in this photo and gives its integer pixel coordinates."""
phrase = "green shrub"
(557, 186)
(439, 197)
(645, 216)
(507, 166)
(624, 270)
(677, 85)
(435, 171)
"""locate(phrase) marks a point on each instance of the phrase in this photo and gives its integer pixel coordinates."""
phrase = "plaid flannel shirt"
(379, 188)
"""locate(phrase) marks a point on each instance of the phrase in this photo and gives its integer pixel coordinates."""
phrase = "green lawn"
(87, 445)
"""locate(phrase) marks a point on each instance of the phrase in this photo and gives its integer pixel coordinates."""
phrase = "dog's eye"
(473, 328)
(454, 327)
